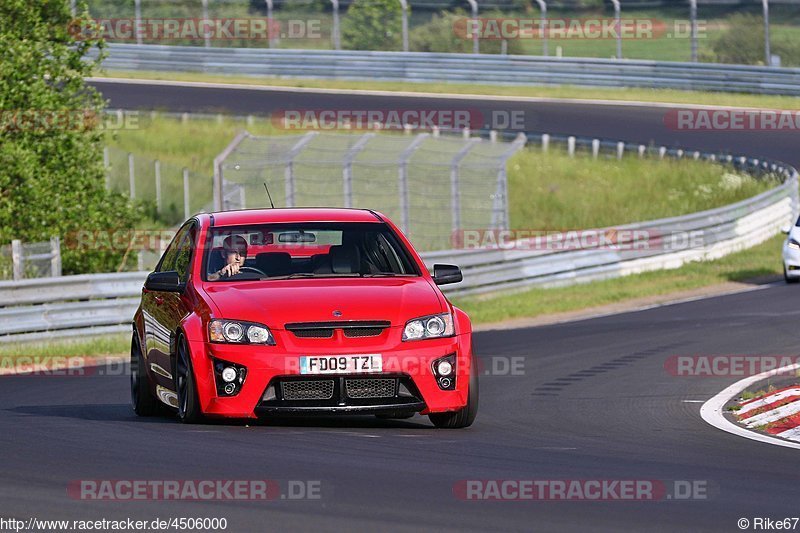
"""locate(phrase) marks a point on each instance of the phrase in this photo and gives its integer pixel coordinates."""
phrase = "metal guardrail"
(105, 303)
(465, 68)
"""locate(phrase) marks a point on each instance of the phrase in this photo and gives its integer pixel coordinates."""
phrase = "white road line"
(711, 411)
(773, 415)
(766, 400)
(416, 94)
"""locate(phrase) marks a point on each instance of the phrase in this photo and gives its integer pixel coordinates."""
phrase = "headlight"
(429, 327)
(238, 332)
(794, 244)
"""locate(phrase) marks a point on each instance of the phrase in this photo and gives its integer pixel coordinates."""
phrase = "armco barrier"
(104, 303)
(458, 68)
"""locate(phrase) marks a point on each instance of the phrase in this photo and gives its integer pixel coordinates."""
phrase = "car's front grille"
(324, 330)
(362, 332)
(317, 333)
(370, 388)
(318, 389)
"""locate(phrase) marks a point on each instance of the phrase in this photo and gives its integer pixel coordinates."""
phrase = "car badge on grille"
(337, 313)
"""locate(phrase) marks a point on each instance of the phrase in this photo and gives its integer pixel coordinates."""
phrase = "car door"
(164, 311)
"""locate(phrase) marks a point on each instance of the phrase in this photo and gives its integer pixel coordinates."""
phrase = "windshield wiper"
(386, 275)
(311, 275)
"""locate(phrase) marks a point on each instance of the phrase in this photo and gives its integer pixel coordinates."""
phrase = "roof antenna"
(269, 195)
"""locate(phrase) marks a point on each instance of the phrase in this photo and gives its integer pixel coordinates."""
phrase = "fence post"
(218, 161)
(404, 6)
(642, 150)
(402, 180)
(620, 149)
(543, 26)
(500, 218)
(131, 177)
(186, 211)
(545, 142)
(137, 10)
(595, 148)
(617, 27)
(347, 167)
(157, 170)
(455, 188)
(55, 260)
(271, 26)
(767, 52)
(16, 258)
(337, 40)
(473, 4)
(571, 146)
(288, 172)
(693, 19)
(206, 36)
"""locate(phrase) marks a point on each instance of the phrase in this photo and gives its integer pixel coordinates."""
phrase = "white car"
(791, 253)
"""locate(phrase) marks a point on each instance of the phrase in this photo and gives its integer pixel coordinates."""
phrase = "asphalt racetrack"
(589, 400)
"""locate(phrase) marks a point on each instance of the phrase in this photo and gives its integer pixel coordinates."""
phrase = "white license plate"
(341, 364)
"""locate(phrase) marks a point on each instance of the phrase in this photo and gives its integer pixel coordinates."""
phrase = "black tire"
(786, 277)
(188, 404)
(465, 416)
(142, 400)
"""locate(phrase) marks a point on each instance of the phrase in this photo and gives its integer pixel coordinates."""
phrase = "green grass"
(761, 260)
(562, 91)
(554, 191)
(91, 347)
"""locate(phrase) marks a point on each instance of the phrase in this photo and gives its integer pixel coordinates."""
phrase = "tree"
(51, 170)
(373, 25)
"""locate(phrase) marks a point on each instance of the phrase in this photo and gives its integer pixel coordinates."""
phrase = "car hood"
(280, 302)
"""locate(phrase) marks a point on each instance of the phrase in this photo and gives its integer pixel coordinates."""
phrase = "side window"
(168, 260)
(183, 256)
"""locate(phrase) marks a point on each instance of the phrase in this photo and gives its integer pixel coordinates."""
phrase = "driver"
(234, 253)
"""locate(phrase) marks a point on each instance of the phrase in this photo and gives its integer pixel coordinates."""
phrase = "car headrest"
(274, 263)
(345, 259)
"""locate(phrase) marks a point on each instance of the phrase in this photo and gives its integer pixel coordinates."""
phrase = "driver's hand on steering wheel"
(229, 270)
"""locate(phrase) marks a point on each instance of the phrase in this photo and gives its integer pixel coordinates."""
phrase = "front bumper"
(791, 261)
(409, 364)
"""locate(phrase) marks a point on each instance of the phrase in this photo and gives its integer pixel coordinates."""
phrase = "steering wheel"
(251, 269)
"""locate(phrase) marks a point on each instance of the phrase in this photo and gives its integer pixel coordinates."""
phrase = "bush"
(51, 171)
(373, 25)
(441, 35)
(742, 42)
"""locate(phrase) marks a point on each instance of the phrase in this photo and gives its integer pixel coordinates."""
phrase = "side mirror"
(786, 229)
(163, 282)
(445, 274)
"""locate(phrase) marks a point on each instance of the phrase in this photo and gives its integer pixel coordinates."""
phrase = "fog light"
(444, 368)
(229, 374)
(230, 388)
(445, 383)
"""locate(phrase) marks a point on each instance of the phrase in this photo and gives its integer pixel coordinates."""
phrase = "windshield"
(287, 251)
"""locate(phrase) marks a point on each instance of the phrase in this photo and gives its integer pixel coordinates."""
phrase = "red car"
(300, 311)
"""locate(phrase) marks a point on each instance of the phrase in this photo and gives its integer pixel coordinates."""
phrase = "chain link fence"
(170, 192)
(433, 26)
(431, 185)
